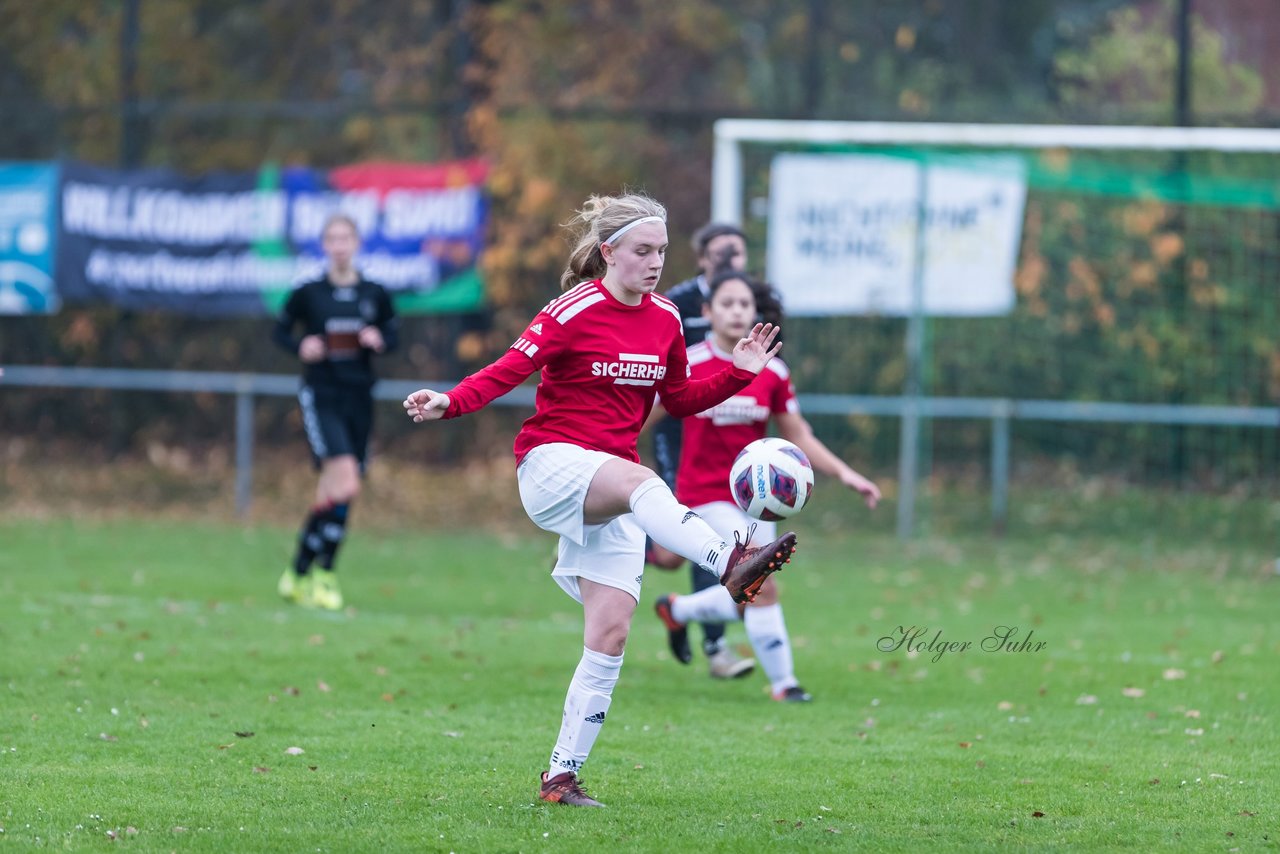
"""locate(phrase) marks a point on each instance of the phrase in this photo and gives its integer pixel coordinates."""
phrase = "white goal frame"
(727, 205)
(731, 134)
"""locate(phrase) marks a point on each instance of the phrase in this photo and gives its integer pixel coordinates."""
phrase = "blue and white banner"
(28, 227)
(842, 233)
(236, 243)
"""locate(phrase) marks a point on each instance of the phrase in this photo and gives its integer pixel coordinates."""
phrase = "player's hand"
(426, 405)
(311, 349)
(859, 484)
(370, 338)
(754, 352)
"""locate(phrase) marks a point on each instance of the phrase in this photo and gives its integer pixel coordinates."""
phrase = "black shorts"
(338, 420)
(667, 436)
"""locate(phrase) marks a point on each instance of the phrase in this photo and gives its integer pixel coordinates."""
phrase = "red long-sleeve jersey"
(602, 362)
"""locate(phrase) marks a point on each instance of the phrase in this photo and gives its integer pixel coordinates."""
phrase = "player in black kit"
(345, 319)
(718, 246)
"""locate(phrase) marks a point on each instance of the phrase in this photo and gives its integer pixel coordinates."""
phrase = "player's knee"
(663, 558)
(609, 637)
(613, 641)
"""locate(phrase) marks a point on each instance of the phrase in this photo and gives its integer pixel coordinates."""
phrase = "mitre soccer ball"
(771, 479)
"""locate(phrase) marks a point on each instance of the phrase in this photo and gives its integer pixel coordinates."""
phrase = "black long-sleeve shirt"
(689, 296)
(338, 314)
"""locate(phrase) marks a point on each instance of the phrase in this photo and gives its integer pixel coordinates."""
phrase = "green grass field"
(154, 691)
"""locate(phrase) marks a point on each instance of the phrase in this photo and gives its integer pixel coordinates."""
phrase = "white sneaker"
(727, 664)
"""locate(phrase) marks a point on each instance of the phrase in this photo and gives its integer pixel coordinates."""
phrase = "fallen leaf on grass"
(388, 698)
(311, 767)
(1086, 700)
(105, 737)
(1134, 692)
(1193, 713)
(323, 686)
(261, 769)
(1154, 781)
(1174, 673)
(1246, 813)
(1037, 814)
(290, 690)
(966, 744)
(294, 751)
(245, 734)
(226, 746)
(1196, 731)
(1004, 705)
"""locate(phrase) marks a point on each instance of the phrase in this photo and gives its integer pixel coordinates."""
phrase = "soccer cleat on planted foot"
(677, 632)
(727, 664)
(749, 567)
(565, 789)
(292, 587)
(794, 694)
(325, 592)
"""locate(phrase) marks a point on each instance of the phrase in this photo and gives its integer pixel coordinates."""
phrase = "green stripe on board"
(1089, 173)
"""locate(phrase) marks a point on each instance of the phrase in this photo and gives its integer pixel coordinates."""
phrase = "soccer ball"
(771, 479)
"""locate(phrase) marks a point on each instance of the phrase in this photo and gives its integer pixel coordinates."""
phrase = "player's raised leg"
(620, 486)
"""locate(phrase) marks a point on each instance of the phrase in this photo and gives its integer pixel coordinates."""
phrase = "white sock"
(712, 605)
(768, 635)
(585, 706)
(676, 527)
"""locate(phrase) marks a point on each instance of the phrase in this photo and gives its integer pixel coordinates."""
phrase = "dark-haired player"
(718, 246)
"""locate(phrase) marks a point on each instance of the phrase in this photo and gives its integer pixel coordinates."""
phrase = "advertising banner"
(28, 196)
(842, 233)
(236, 243)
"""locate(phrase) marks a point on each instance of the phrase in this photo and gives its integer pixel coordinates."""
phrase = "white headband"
(617, 235)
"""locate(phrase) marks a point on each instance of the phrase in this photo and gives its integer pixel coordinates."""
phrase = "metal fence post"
(908, 466)
(1000, 465)
(244, 445)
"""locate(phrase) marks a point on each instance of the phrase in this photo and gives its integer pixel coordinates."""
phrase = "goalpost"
(1147, 285)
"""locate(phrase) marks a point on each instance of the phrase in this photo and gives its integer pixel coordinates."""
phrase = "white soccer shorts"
(554, 479)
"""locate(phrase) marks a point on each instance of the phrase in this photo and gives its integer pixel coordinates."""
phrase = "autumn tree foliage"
(566, 98)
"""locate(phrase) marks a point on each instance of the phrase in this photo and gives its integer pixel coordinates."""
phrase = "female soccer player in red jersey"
(606, 347)
(712, 440)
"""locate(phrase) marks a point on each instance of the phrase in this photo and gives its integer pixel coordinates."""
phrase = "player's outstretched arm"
(426, 405)
(793, 427)
(754, 352)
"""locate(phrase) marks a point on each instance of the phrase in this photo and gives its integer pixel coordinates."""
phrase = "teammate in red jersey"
(712, 440)
(606, 347)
